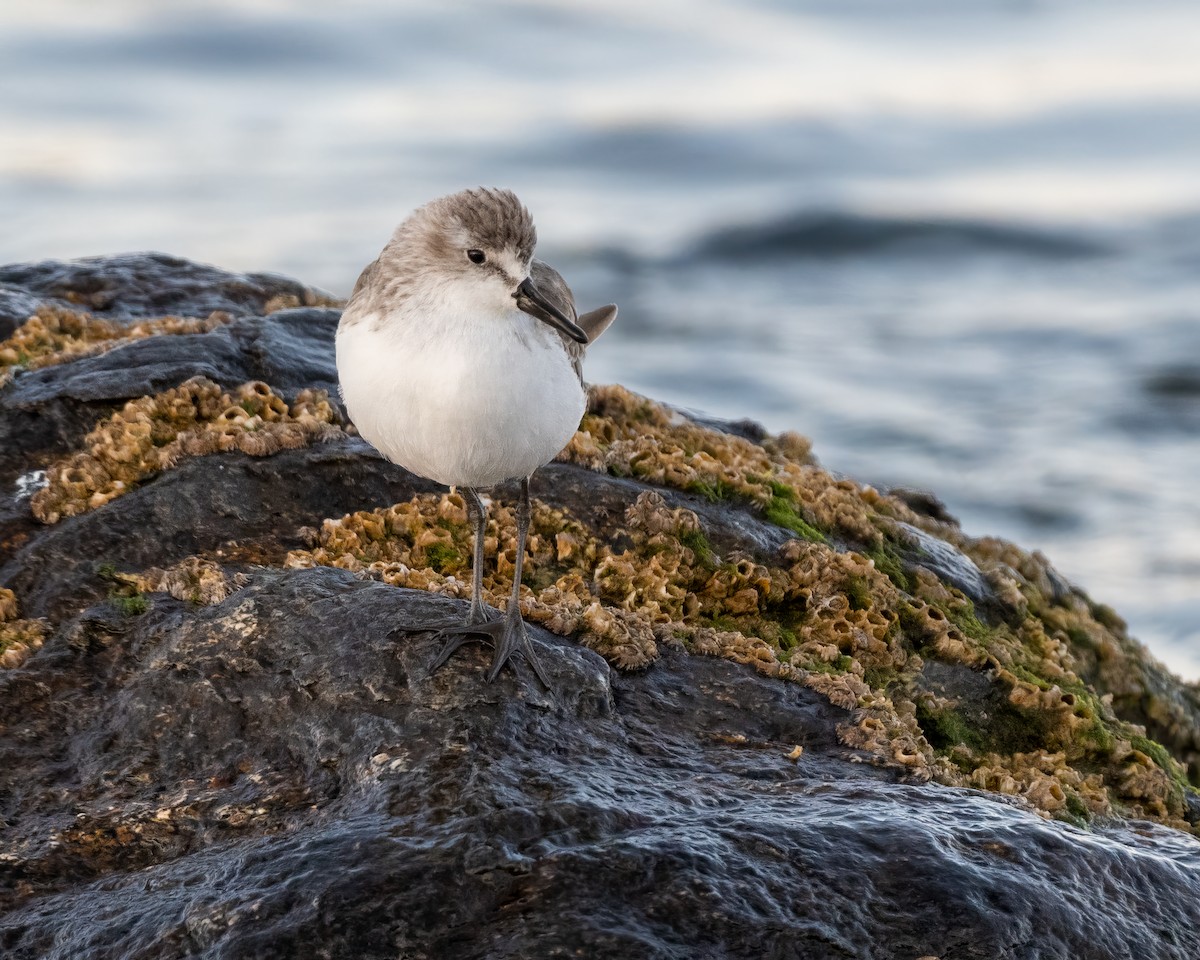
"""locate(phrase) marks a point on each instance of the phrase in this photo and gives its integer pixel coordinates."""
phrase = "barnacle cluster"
(308, 298)
(426, 544)
(18, 638)
(55, 334)
(197, 580)
(151, 434)
(628, 435)
(1072, 698)
(1023, 698)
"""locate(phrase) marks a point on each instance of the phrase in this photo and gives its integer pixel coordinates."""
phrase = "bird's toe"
(508, 635)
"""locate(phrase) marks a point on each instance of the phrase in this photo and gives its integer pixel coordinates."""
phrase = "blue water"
(960, 248)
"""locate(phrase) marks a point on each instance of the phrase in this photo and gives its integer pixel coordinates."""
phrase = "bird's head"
(481, 241)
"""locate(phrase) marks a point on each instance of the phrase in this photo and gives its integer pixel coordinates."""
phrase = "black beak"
(535, 303)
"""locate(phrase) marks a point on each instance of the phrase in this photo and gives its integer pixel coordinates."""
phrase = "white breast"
(463, 400)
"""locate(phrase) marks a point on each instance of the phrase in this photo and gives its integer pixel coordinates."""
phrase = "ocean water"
(957, 245)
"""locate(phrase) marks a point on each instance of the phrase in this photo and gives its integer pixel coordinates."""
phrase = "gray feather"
(551, 284)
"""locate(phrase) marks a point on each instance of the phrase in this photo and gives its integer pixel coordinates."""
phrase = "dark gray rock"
(44, 412)
(276, 776)
(16, 306)
(949, 563)
(136, 285)
(290, 349)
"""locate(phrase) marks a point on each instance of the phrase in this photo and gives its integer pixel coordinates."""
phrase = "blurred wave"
(832, 234)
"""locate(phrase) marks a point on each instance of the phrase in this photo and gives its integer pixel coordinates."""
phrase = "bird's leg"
(508, 634)
(512, 634)
(479, 614)
(477, 513)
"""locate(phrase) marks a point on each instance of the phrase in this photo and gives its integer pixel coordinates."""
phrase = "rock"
(48, 410)
(290, 349)
(141, 285)
(221, 739)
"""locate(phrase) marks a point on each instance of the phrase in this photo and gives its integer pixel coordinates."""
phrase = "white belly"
(466, 404)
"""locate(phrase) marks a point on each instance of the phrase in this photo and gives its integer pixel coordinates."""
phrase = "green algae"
(962, 615)
(1163, 759)
(132, 605)
(889, 562)
(781, 511)
(698, 543)
(123, 592)
(858, 593)
(829, 669)
(947, 728)
(444, 557)
(712, 490)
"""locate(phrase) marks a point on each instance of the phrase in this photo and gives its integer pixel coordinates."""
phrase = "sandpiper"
(460, 359)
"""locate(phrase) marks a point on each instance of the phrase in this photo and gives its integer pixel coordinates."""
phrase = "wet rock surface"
(274, 775)
(137, 285)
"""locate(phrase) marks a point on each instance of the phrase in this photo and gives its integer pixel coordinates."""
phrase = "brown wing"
(361, 298)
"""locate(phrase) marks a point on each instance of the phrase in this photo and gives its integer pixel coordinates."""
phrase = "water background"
(957, 245)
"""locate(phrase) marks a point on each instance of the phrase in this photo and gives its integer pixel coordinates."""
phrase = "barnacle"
(18, 638)
(1046, 780)
(152, 434)
(308, 298)
(628, 435)
(197, 580)
(56, 334)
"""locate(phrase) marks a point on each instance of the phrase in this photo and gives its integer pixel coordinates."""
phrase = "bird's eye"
(476, 256)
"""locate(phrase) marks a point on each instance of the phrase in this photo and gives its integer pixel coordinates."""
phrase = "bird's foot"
(508, 635)
(481, 613)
